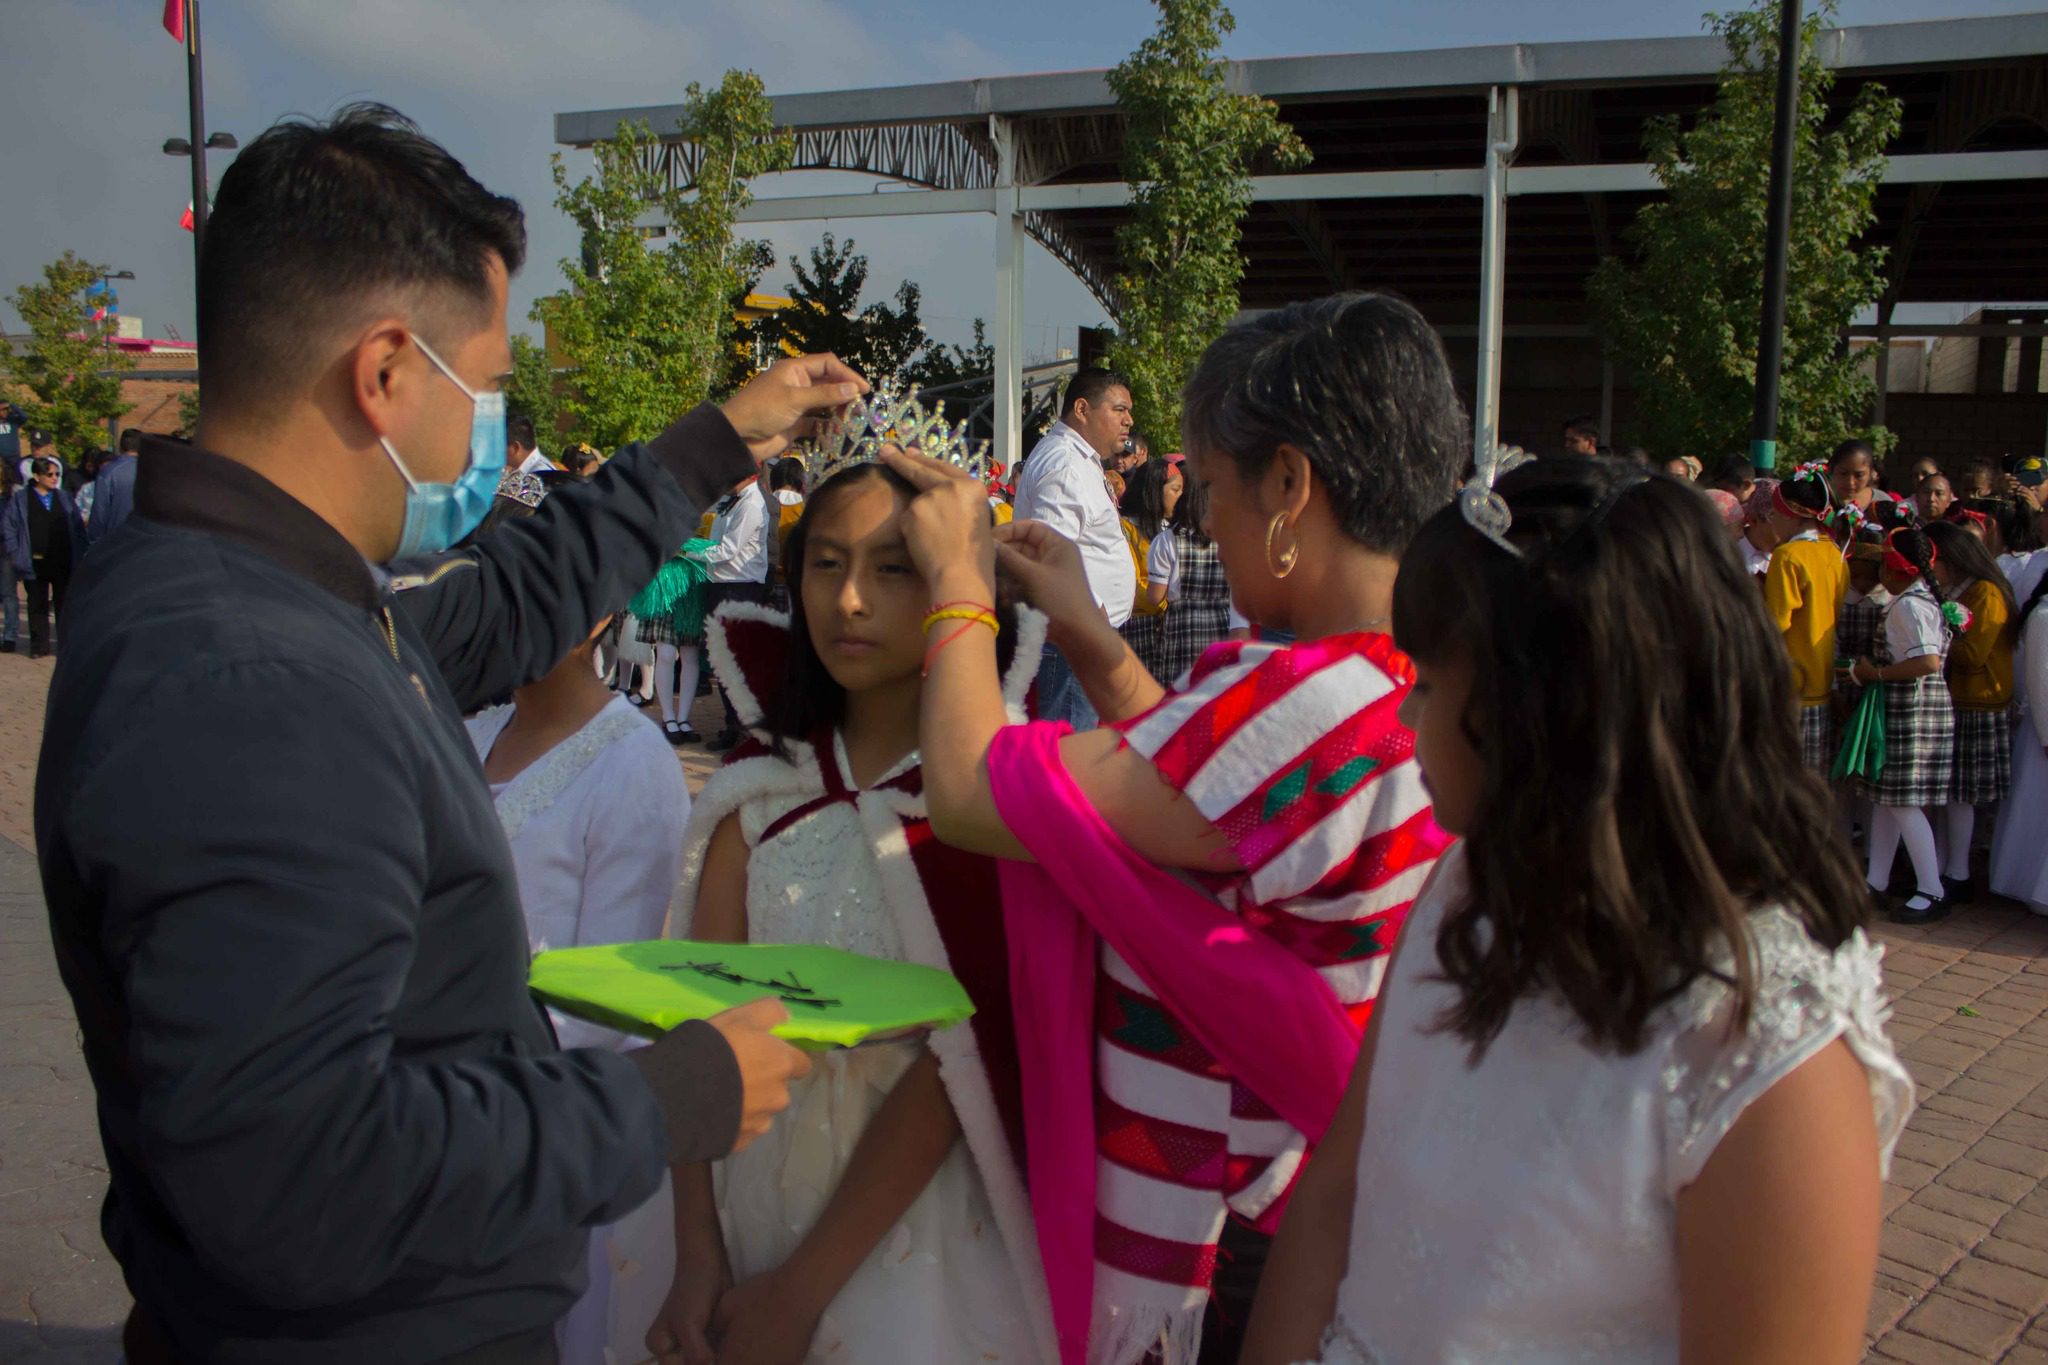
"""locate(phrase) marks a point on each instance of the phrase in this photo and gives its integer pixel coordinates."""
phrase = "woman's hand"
(946, 528)
(1856, 671)
(681, 1333)
(764, 1322)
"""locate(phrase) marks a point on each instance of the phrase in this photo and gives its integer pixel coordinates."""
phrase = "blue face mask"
(439, 514)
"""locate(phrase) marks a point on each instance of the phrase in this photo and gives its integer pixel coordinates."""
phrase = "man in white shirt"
(521, 453)
(1061, 485)
(739, 571)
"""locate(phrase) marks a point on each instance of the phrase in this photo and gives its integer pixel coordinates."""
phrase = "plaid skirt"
(661, 630)
(1919, 744)
(1983, 769)
(1817, 737)
(1146, 635)
(1201, 615)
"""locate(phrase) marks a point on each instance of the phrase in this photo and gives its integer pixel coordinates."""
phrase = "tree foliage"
(1188, 145)
(644, 326)
(878, 340)
(55, 375)
(531, 389)
(1682, 316)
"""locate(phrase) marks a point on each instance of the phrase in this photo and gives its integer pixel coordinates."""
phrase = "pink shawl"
(1261, 1011)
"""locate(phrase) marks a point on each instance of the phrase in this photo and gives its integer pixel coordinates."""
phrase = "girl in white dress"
(883, 1220)
(1628, 1096)
(2019, 858)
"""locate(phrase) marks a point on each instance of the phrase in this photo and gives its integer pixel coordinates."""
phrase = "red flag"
(174, 19)
(186, 221)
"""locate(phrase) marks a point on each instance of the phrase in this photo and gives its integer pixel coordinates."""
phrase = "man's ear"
(380, 379)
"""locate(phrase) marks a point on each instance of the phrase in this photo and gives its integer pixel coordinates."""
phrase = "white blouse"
(1913, 627)
(1162, 563)
(1522, 1209)
(596, 828)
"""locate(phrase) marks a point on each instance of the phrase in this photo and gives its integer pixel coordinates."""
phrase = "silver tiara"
(1484, 510)
(887, 418)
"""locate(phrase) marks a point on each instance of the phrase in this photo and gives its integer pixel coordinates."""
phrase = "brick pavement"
(1963, 1274)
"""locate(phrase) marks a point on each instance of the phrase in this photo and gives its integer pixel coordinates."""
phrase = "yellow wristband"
(979, 617)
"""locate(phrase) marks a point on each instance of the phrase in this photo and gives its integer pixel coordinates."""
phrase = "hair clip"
(1484, 510)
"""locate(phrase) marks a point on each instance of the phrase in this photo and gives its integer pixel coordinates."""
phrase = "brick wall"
(1954, 427)
(153, 403)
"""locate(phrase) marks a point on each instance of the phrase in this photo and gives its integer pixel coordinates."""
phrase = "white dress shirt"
(535, 462)
(1062, 486)
(741, 530)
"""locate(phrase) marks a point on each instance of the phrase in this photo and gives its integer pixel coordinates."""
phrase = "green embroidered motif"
(1286, 792)
(1341, 782)
(1365, 942)
(1146, 1027)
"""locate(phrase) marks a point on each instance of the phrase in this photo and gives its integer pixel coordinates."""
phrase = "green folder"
(1862, 750)
(835, 998)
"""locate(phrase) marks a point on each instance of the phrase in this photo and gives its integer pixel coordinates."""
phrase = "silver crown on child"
(886, 418)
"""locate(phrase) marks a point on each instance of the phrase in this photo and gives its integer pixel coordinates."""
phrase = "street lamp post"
(1770, 351)
(196, 148)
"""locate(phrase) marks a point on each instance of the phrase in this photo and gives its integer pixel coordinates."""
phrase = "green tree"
(644, 325)
(880, 341)
(1682, 316)
(942, 364)
(188, 411)
(1188, 145)
(531, 389)
(56, 374)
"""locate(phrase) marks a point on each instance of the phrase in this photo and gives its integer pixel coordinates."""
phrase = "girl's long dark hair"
(1643, 792)
(1144, 502)
(811, 700)
(1970, 557)
(1193, 508)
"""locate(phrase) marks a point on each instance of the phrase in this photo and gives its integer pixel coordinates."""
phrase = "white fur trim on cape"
(725, 663)
(882, 813)
(1031, 626)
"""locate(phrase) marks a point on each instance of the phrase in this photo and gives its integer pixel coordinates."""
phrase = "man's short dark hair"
(43, 464)
(131, 440)
(317, 224)
(1585, 427)
(1091, 384)
(519, 431)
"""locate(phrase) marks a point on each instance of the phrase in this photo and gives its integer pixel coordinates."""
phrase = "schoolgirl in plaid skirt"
(1981, 682)
(1919, 722)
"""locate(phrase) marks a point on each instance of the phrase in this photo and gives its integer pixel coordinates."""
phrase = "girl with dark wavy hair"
(1630, 1097)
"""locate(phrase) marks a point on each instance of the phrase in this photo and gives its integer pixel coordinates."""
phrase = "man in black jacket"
(337, 1127)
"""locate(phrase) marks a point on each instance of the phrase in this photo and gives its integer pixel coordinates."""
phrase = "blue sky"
(91, 88)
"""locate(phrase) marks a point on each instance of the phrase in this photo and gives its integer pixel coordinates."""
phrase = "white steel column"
(1503, 131)
(1009, 331)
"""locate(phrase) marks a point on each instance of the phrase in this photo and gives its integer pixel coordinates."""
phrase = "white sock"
(1959, 819)
(1917, 832)
(686, 687)
(1884, 845)
(665, 680)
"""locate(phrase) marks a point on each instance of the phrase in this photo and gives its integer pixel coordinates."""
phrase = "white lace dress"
(941, 1288)
(1524, 1209)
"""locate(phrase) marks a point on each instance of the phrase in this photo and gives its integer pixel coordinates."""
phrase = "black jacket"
(338, 1128)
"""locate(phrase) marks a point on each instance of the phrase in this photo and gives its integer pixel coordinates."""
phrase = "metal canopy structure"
(1477, 181)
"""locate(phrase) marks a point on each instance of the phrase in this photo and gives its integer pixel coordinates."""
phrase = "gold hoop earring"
(1289, 558)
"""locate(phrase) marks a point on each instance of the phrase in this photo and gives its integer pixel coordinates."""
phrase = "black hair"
(1585, 425)
(578, 458)
(519, 431)
(131, 440)
(315, 224)
(1917, 546)
(1852, 447)
(1733, 470)
(1892, 513)
(810, 700)
(1630, 660)
(1144, 504)
(786, 475)
(1637, 455)
(1193, 508)
(1090, 384)
(44, 464)
(1969, 556)
(2015, 526)
(1810, 493)
(1359, 384)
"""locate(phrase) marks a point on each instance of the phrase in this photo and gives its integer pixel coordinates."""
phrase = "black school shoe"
(727, 739)
(1908, 913)
(1961, 890)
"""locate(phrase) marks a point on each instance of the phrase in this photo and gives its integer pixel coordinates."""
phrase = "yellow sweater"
(1803, 590)
(1980, 660)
